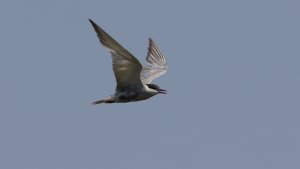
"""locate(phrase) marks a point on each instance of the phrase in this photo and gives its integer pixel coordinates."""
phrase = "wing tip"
(95, 26)
(91, 21)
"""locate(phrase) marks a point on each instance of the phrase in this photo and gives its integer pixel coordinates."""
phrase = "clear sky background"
(233, 85)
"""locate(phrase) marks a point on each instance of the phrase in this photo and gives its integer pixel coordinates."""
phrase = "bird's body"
(133, 79)
(129, 95)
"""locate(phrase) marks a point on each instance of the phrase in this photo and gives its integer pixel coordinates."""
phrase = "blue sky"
(233, 85)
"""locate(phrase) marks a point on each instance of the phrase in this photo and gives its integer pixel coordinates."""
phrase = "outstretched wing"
(155, 64)
(125, 66)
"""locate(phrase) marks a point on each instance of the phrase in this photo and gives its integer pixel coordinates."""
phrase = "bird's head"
(157, 89)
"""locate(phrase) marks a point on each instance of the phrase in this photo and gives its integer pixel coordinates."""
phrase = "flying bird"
(133, 79)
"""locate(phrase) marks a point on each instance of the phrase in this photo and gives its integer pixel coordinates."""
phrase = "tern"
(133, 79)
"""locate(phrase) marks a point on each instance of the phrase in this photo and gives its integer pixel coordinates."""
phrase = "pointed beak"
(162, 91)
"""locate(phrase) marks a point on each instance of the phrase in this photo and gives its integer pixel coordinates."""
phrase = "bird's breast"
(130, 96)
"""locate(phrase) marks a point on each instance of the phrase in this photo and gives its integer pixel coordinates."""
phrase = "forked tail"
(106, 100)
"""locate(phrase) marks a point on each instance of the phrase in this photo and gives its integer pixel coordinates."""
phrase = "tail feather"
(107, 100)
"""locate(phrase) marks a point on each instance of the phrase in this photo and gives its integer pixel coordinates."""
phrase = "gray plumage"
(133, 79)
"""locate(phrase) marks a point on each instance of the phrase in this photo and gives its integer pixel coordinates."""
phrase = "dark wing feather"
(125, 66)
